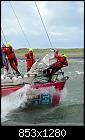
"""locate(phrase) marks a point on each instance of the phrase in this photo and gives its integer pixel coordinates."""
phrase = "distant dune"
(74, 52)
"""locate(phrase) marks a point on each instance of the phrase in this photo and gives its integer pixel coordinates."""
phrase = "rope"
(3, 35)
(19, 24)
(43, 25)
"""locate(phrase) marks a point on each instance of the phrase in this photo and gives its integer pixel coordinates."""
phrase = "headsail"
(44, 63)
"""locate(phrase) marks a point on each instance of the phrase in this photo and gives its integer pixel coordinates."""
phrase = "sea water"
(69, 112)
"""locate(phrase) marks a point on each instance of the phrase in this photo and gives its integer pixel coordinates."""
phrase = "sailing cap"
(64, 55)
(8, 44)
(30, 49)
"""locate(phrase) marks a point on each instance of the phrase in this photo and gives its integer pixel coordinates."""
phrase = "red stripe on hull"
(58, 86)
(6, 91)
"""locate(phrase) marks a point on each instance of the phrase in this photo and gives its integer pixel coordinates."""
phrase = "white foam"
(13, 101)
(81, 61)
(20, 98)
(79, 72)
(63, 95)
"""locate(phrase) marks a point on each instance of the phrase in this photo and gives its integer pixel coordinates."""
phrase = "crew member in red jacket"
(9, 53)
(30, 59)
(61, 61)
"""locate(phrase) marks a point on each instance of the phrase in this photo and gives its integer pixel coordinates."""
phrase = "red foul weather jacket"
(29, 59)
(9, 52)
(61, 61)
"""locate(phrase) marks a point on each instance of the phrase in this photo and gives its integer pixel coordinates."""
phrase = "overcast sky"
(64, 21)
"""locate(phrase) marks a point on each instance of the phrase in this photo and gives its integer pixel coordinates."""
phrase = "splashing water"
(20, 98)
(13, 101)
(79, 72)
(63, 95)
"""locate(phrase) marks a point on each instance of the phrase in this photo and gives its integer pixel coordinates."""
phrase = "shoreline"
(75, 55)
(68, 57)
(40, 53)
(71, 53)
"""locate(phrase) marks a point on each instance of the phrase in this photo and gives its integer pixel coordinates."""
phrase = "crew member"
(60, 62)
(30, 59)
(9, 52)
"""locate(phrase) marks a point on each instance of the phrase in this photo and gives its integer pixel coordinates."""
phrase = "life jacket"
(10, 53)
(29, 59)
(29, 55)
(65, 62)
(56, 55)
(62, 60)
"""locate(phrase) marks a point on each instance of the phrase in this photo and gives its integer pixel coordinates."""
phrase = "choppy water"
(68, 112)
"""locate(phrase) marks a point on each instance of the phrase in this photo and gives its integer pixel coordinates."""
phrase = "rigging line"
(2, 41)
(19, 23)
(43, 24)
(3, 34)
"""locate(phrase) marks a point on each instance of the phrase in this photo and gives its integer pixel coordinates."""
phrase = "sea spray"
(13, 101)
(63, 95)
(20, 98)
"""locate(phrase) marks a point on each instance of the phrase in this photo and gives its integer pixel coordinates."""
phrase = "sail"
(44, 63)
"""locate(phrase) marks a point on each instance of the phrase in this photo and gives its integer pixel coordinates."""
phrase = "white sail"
(44, 63)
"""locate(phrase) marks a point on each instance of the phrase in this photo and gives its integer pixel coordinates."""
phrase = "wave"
(79, 72)
(59, 124)
(61, 115)
(41, 124)
(76, 71)
(13, 101)
(20, 100)
(81, 61)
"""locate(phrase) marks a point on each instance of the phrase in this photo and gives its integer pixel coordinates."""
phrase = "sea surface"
(70, 111)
